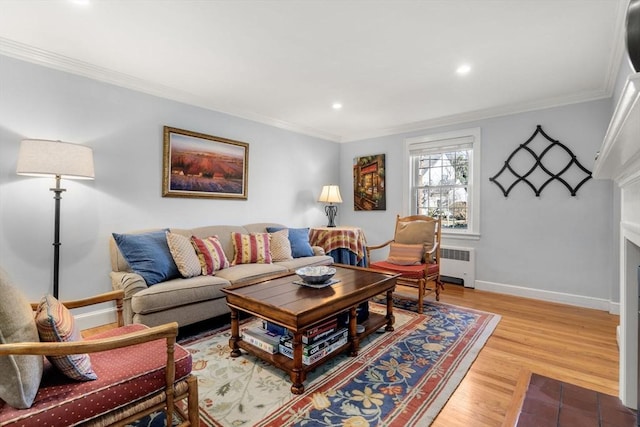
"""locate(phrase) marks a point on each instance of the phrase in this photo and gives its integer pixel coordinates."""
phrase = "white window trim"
(438, 140)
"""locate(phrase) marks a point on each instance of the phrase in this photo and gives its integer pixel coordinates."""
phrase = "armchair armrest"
(117, 296)
(429, 255)
(368, 249)
(168, 331)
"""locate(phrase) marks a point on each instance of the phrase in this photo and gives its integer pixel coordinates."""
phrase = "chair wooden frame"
(162, 400)
(430, 257)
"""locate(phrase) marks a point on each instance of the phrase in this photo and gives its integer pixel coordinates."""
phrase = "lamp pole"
(56, 234)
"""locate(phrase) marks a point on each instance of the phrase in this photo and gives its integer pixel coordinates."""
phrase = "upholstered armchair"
(111, 378)
(414, 253)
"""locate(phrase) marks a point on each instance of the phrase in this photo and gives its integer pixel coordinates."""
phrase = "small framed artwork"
(368, 183)
(200, 165)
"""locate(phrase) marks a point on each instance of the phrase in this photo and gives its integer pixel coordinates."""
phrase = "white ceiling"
(390, 63)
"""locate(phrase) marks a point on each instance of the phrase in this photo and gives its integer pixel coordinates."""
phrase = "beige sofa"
(190, 300)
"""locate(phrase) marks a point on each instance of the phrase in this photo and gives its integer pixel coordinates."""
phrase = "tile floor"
(552, 403)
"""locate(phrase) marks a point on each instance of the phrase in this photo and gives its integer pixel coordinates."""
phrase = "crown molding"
(63, 63)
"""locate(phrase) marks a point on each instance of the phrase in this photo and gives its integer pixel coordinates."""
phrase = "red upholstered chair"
(414, 253)
(140, 370)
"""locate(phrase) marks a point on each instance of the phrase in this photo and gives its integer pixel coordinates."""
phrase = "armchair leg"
(192, 402)
(421, 288)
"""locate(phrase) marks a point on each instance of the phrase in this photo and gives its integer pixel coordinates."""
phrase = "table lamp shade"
(38, 157)
(330, 194)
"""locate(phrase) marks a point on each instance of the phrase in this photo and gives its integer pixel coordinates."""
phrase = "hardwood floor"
(571, 344)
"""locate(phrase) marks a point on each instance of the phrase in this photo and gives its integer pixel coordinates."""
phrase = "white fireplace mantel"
(619, 160)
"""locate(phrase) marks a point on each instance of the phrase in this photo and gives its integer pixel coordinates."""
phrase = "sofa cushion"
(184, 255)
(124, 376)
(251, 248)
(211, 255)
(21, 374)
(299, 239)
(243, 272)
(55, 323)
(148, 255)
(222, 231)
(280, 246)
(405, 254)
(178, 293)
(294, 264)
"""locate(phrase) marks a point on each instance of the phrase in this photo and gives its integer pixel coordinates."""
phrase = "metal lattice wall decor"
(540, 168)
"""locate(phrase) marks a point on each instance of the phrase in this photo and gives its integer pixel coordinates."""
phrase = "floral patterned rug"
(403, 378)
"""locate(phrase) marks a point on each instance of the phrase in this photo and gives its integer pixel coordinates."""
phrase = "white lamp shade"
(39, 157)
(330, 194)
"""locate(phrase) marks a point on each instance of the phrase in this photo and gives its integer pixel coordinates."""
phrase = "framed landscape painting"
(199, 165)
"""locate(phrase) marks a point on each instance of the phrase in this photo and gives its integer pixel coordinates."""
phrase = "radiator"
(458, 265)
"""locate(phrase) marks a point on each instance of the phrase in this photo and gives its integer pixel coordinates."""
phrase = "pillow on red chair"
(406, 254)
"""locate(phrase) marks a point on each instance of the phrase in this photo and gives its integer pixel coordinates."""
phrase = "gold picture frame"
(203, 166)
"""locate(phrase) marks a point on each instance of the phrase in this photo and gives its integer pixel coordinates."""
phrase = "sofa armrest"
(131, 284)
(317, 250)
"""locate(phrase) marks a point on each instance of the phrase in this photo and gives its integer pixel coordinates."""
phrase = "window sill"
(460, 236)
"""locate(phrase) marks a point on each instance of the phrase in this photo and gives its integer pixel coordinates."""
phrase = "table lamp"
(330, 194)
(43, 158)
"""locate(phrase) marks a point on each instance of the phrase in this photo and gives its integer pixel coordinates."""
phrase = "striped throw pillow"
(406, 254)
(210, 253)
(251, 248)
(55, 323)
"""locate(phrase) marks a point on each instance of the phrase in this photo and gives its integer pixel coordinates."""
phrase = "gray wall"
(124, 128)
(534, 246)
(554, 244)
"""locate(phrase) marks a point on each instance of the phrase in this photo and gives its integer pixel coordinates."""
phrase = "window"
(443, 179)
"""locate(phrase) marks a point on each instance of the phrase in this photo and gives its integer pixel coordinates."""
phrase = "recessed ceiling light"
(463, 69)
(336, 106)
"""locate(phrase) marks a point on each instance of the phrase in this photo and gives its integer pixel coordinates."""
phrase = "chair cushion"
(251, 248)
(21, 375)
(407, 271)
(405, 254)
(125, 375)
(55, 323)
(281, 246)
(414, 232)
(210, 254)
(184, 255)
(148, 255)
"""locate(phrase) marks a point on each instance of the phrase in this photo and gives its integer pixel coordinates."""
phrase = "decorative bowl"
(318, 274)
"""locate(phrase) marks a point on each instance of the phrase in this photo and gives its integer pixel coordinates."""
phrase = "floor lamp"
(330, 194)
(43, 158)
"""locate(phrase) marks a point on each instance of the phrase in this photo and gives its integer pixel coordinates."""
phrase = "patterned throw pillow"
(55, 323)
(280, 246)
(251, 248)
(184, 255)
(402, 254)
(210, 254)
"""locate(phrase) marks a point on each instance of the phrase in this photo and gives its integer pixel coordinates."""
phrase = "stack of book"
(318, 349)
(261, 338)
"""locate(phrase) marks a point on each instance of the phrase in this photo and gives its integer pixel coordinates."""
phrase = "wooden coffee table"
(299, 308)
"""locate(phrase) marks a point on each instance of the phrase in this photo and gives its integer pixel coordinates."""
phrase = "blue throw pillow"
(299, 239)
(148, 255)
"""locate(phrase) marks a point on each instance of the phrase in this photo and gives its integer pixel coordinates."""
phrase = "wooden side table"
(345, 244)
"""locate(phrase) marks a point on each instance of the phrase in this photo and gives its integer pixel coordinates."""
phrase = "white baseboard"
(95, 318)
(551, 296)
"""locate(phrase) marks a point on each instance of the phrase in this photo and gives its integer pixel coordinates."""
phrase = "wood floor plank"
(571, 344)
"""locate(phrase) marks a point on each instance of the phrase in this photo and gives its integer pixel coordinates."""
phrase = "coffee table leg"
(297, 374)
(390, 319)
(235, 333)
(353, 332)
